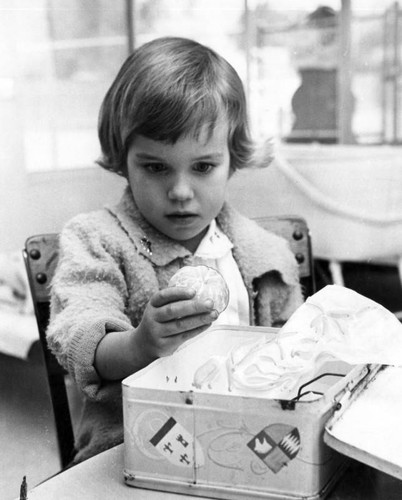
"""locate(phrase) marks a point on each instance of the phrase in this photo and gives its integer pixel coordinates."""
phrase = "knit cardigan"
(111, 262)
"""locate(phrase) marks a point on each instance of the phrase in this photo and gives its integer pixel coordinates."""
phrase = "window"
(67, 53)
(327, 72)
(289, 55)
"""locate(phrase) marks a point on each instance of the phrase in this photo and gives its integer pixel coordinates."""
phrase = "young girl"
(174, 124)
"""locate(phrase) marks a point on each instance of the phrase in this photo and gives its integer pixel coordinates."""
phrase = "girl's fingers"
(175, 311)
(171, 294)
(188, 324)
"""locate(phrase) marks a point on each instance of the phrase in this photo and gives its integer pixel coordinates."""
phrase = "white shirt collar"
(214, 245)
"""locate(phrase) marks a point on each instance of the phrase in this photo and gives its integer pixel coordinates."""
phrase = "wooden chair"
(295, 230)
(40, 256)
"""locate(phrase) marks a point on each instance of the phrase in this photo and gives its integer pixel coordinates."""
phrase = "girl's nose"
(180, 190)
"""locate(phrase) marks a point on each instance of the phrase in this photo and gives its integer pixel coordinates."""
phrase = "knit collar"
(151, 243)
(214, 245)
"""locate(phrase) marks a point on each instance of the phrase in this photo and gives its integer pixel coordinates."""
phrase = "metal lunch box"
(227, 446)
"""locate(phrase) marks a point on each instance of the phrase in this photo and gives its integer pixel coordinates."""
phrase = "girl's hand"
(172, 316)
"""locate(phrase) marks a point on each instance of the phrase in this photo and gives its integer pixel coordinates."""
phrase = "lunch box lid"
(366, 423)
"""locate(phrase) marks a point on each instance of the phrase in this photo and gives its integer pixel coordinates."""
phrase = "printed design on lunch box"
(177, 445)
(276, 445)
(225, 445)
(145, 425)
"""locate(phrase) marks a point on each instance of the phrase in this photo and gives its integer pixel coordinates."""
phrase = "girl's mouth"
(182, 218)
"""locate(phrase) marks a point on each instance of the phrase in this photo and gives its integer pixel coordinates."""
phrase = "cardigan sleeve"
(276, 300)
(88, 300)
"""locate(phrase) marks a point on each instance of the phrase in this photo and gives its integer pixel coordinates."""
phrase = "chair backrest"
(295, 230)
(40, 257)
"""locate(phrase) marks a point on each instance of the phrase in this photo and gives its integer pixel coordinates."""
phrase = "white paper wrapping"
(335, 324)
(348, 326)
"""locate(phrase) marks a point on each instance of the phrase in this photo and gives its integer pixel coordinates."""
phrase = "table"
(101, 478)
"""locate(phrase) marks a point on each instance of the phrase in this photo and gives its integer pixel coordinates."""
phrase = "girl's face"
(179, 188)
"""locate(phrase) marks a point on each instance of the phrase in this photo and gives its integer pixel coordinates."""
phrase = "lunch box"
(220, 445)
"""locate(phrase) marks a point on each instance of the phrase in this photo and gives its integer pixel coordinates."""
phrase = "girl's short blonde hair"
(168, 88)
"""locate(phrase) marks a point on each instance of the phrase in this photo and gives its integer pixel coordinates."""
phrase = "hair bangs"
(174, 118)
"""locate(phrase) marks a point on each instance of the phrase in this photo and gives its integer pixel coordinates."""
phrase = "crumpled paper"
(348, 326)
(336, 323)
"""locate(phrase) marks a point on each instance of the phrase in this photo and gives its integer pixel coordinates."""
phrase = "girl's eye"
(203, 168)
(155, 168)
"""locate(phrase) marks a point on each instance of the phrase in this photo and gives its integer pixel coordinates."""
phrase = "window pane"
(68, 54)
(367, 72)
(296, 70)
(293, 70)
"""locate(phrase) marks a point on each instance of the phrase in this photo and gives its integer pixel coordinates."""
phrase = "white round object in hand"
(207, 282)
